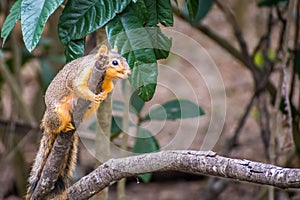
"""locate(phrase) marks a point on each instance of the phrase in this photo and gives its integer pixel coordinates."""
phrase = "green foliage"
(81, 17)
(197, 10)
(259, 57)
(116, 127)
(141, 46)
(175, 109)
(74, 49)
(10, 21)
(134, 43)
(145, 142)
(158, 11)
(161, 43)
(34, 14)
(132, 27)
(145, 177)
(136, 102)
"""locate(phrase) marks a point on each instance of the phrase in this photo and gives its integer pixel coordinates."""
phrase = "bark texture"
(199, 162)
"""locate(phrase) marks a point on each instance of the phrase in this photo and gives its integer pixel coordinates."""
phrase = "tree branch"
(240, 38)
(16, 90)
(199, 162)
(64, 140)
(222, 42)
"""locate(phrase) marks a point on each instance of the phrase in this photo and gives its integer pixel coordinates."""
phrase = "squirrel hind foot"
(70, 127)
(31, 188)
(60, 185)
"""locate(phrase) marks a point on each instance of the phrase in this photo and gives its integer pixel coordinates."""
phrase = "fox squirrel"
(70, 84)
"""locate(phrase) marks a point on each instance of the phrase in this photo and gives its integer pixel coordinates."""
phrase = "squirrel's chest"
(107, 85)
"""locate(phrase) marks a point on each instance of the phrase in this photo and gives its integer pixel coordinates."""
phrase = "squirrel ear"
(103, 49)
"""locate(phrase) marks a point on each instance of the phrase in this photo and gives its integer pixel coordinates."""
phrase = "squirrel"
(70, 84)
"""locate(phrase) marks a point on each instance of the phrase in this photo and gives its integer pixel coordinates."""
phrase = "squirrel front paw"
(98, 98)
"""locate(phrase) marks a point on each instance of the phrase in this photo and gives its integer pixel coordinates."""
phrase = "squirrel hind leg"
(60, 185)
(57, 120)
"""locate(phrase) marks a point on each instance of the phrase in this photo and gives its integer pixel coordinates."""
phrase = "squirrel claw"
(100, 97)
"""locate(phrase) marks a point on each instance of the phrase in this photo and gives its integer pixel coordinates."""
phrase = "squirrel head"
(116, 65)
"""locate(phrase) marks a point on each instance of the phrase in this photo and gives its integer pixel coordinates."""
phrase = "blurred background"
(255, 47)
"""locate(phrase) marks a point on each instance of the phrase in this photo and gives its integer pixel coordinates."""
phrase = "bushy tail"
(66, 170)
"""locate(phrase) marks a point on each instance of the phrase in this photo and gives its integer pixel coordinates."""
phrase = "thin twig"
(19, 123)
(296, 49)
(232, 142)
(297, 44)
(264, 122)
(222, 42)
(283, 88)
(239, 36)
(285, 84)
(8, 77)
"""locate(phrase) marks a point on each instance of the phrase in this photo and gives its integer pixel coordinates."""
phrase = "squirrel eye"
(115, 62)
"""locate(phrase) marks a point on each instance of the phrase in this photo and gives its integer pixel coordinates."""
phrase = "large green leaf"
(140, 9)
(175, 109)
(116, 126)
(10, 21)
(34, 14)
(161, 43)
(151, 13)
(198, 9)
(145, 177)
(81, 17)
(134, 42)
(145, 142)
(142, 46)
(160, 11)
(136, 102)
(74, 49)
